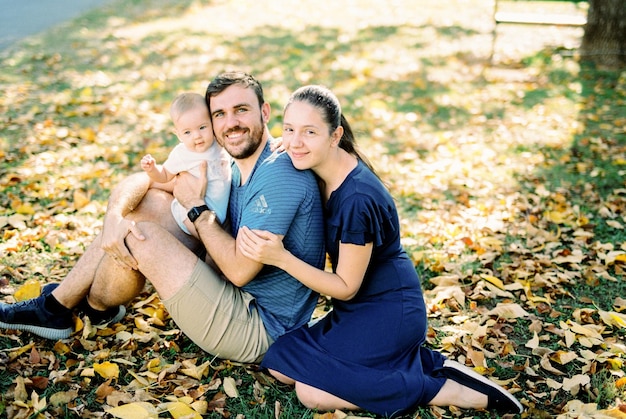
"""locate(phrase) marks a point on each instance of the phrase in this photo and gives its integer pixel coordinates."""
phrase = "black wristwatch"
(195, 212)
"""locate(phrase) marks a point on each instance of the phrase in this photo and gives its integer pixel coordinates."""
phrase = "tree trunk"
(604, 41)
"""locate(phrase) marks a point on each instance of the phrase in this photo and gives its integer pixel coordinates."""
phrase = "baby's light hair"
(184, 102)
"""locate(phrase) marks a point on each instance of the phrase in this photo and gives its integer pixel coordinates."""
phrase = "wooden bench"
(544, 13)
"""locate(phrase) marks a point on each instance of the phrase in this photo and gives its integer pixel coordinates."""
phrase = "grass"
(498, 169)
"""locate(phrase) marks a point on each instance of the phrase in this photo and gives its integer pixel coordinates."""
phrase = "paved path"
(21, 18)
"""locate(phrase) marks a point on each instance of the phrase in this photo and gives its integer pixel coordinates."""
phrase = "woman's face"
(305, 135)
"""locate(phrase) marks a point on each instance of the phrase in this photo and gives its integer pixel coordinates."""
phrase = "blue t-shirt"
(279, 198)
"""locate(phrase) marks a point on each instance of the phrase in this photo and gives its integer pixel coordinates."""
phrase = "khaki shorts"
(217, 316)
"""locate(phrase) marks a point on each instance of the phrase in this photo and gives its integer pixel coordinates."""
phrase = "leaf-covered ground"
(509, 175)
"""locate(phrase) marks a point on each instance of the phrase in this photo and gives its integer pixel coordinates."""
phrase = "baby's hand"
(148, 162)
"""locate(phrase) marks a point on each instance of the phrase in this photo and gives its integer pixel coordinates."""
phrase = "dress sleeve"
(362, 220)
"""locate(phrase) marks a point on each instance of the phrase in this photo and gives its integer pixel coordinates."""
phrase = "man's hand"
(189, 190)
(112, 241)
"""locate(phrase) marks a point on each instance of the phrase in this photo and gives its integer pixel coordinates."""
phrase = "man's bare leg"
(105, 282)
(162, 259)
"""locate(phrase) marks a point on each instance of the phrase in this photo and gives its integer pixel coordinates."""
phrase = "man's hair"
(229, 78)
(183, 102)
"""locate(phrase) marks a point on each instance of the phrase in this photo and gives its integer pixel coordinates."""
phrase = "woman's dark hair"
(229, 78)
(323, 99)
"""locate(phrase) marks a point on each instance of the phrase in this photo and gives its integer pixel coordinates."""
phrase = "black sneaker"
(499, 399)
(48, 288)
(97, 318)
(32, 316)
(101, 318)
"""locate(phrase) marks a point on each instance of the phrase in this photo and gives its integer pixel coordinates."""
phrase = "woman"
(367, 352)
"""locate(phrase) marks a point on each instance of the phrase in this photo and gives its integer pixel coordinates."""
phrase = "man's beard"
(255, 138)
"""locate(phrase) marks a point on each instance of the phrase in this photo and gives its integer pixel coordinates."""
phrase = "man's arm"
(222, 248)
(220, 245)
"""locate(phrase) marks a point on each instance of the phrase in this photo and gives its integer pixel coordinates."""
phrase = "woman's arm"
(267, 248)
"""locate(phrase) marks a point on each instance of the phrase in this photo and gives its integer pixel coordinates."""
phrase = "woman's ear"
(336, 135)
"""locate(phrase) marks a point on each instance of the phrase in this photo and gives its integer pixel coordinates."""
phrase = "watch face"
(195, 212)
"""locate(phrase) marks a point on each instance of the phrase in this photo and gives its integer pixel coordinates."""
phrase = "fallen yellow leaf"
(613, 318)
(107, 370)
(80, 199)
(19, 351)
(495, 281)
(620, 382)
(180, 410)
(137, 410)
(30, 289)
(24, 209)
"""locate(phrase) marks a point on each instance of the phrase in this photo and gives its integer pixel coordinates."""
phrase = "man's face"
(238, 122)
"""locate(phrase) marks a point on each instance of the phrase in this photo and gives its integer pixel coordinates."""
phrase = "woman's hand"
(276, 144)
(261, 246)
(113, 237)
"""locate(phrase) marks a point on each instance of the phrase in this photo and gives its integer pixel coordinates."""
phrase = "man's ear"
(265, 112)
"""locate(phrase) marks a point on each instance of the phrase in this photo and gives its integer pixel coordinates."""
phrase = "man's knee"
(155, 207)
(150, 232)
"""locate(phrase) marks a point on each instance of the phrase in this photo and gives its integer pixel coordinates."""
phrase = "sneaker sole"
(44, 332)
(460, 369)
(121, 312)
(119, 316)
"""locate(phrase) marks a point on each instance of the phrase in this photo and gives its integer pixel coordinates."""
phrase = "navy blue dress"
(368, 350)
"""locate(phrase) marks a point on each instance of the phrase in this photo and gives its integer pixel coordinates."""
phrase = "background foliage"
(509, 176)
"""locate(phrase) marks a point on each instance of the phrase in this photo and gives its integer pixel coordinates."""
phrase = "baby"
(192, 124)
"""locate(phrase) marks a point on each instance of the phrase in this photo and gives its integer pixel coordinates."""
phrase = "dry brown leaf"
(533, 343)
(545, 364)
(20, 394)
(508, 311)
(575, 383)
(136, 410)
(563, 357)
(61, 398)
(194, 371)
(230, 387)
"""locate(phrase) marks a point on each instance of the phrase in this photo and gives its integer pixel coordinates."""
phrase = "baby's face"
(194, 129)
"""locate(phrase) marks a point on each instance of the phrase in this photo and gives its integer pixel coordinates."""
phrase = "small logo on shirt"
(261, 207)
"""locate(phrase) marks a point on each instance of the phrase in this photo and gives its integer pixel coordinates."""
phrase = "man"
(234, 316)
